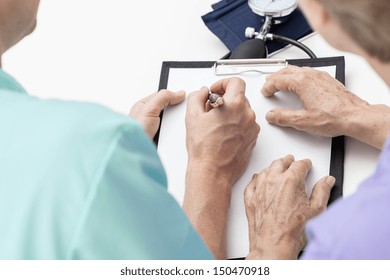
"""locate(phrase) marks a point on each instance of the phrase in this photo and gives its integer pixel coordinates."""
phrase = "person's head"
(17, 19)
(359, 26)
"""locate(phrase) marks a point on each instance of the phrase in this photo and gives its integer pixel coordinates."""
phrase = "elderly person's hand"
(147, 110)
(329, 108)
(277, 208)
(219, 144)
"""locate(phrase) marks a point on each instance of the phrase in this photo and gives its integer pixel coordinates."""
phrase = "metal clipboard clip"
(241, 66)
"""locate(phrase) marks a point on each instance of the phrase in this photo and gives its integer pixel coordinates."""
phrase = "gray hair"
(366, 21)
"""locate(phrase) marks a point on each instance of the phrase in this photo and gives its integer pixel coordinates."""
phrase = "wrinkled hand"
(222, 138)
(277, 208)
(328, 105)
(147, 111)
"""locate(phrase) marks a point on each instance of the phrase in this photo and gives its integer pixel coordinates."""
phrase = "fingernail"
(330, 181)
(270, 116)
(181, 92)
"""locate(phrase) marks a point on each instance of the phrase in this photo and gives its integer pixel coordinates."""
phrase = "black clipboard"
(336, 167)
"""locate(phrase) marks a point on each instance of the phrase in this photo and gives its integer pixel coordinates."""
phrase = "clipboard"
(170, 138)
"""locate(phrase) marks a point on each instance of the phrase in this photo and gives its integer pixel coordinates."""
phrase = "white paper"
(273, 143)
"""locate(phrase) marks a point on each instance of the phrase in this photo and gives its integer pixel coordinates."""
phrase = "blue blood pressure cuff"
(230, 18)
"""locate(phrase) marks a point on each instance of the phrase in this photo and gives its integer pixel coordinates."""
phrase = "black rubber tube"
(294, 43)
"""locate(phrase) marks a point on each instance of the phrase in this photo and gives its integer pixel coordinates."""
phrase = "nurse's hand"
(219, 144)
(329, 109)
(277, 208)
(147, 110)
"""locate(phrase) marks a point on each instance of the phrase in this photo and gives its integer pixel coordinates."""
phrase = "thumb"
(320, 195)
(286, 117)
(176, 97)
(163, 99)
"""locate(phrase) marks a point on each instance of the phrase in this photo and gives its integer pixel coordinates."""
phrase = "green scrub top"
(79, 181)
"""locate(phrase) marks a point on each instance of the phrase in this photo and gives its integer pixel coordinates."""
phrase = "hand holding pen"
(219, 144)
(217, 121)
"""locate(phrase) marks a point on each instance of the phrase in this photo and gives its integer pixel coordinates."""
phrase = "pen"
(215, 100)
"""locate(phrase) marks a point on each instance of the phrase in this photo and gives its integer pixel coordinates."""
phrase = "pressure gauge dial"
(273, 8)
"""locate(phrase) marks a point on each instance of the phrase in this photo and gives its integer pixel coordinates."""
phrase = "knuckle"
(318, 207)
(302, 78)
(269, 181)
(238, 81)
(310, 71)
(278, 118)
(299, 121)
(292, 179)
(301, 218)
(295, 116)
(248, 194)
(294, 175)
(289, 158)
(163, 91)
(302, 164)
(292, 67)
(257, 129)
(277, 161)
(251, 116)
(238, 102)
(307, 163)
(319, 73)
(326, 76)
(267, 87)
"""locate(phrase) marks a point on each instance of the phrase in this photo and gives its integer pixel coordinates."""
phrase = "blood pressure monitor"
(273, 12)
(273, 8)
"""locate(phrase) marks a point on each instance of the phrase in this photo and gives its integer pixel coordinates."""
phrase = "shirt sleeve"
(356, 227)
(128, 213)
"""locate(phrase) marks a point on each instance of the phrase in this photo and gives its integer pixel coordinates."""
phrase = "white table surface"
(110, 52)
